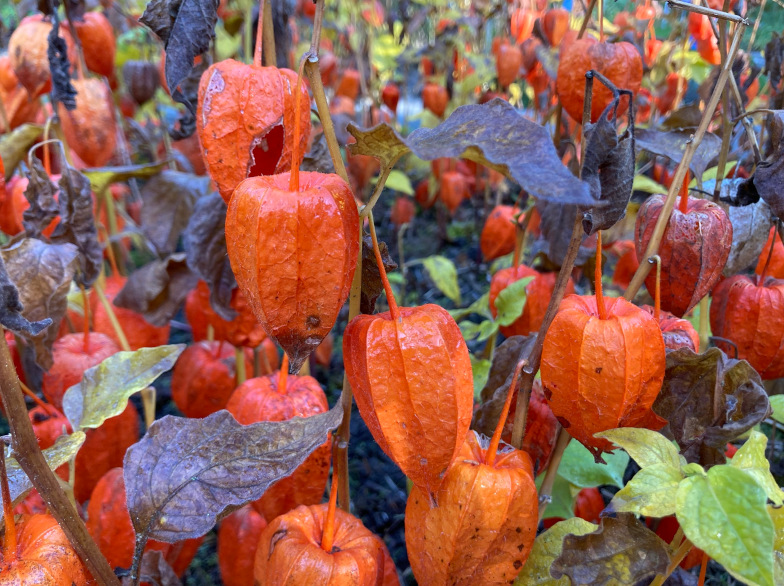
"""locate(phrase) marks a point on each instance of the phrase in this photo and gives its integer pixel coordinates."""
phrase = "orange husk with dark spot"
(27, 49)
(294, 254)
(749, 311)
(90, 130)
(245, 120)
(693, 250)
(619, 62)
(261, 399)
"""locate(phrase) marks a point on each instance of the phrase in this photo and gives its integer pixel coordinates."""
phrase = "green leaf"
(777, 404)
(724, 514)
(103, 177)
(64, 448)
(579, 467)
(562, 498)
(105, 388)
(547, 547)
(479, 331)
(444, 275)
(648, 185)
(651, 492)
(481, 307)
(777, 516)
(510, 301)
(646, 447)
(14, 146)
(397, 181)
(751, 459)
(481, 370)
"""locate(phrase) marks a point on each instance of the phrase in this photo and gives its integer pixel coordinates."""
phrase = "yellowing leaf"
(444, 275)
(14, 146)
(777, 404)
(651, 492)
(510, 301)
(547, 547)
(648, 185)
(64, 448)
(101, 178)
(105, 389)
(777, 516)
(397, 181)
(724, 514)
(645, 447)
(751, 459)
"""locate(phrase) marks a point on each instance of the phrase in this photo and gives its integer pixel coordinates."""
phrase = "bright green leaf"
(645, 447)
(648, 185)
(481, 307)
(724, 514)
(777, 516)
(510, 301)
(777, 404)
(444, 275)
(562, 498)
(105, 388)
(502, 262)
(481, 370)
(692, 469)
(651, 492)
(547, 548)
(751, 459)
(579, 468)
(397, 181)
(480, 332)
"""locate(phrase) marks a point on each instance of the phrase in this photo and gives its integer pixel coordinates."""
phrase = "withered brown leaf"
(158, 289)
(708, 400)
(186, 474)
(672, 144)
(154, 570)
(622, 551)
(372, 287)
(43, 274)
(40, 193)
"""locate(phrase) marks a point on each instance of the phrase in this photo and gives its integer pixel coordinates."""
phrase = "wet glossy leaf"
(43, 273)
(65, 447)
(158, 289)
(546, 549)
(645, 447)
(372, 287)
(186, 474)
(510, 301)
(651, 492)
(14, 146)
(205, 252)
(443, 273)
(492, 134)
(724, 514)
(579, 467)
(168, 201)
(751, 459)
(672, 144)
(105, 389)
(622, 551)
(102, 177)
(709, 400)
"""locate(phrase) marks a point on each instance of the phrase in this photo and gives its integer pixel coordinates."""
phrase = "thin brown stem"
(757, 22)
(657, 292)
(546, 490)
(682, 170)
(268, 44)
(675, 561)
(703, 569)
(315, 39)
(30, 458)
(118, 331)
(708, 11)
(586, 18)
(239, 365)
(259, 33)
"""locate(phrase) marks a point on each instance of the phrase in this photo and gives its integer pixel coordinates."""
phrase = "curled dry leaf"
(750, 228)
(14, 146)
(709, 400)
(100, 178)
(186, 474)
(40, 193)
(684, 117)
(622, 551)
(168, 201)
(204, 240)
(158, 289)
(672, 145)
(372, 286)
(44, 272)
(493, 134)
(64, 448)
(318, 158)
(186, 28)
(77, 224)
(11, 308)
(105, 389)
(768, 179)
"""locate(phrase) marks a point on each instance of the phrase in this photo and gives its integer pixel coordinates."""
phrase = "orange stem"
(597, 276)
(394, 311)
(328, 533)
(703, 569)
(9, 545)
(284, 374)
(764, 272)
(492, 449)
(26, 390)
(259, 29)
(86, 325)
(684, 203)
(294, 176)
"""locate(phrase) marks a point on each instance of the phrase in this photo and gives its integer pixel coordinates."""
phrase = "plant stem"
(683, 202)
(315, 39)
(683, 167)
(764, 272)
(675, 560)
(148, 404)
(597, 278)
(545, 492)
(492, 449)
(294, 175)
(85, 322)
(377, 190)
(259, 34)
(726, 125)
(268, 45)
(239, 365)
(328, 531)
(584, 25)
(118, 331)
(9, 543)
(703, 569)
(247, 35)
(28, 454)
(704, 322)
(394, 311)
(284, 374)
(657, 293)
(756, 26)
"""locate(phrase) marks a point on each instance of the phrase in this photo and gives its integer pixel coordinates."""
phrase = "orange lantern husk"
(602, 366)
(483, 523)
(238, 538)
(91, 130)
